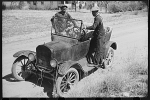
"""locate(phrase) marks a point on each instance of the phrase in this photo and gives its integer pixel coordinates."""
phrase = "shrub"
(113, 7)
(119, 6)
(21, 4)
(145, 9)
(89, 7)
(3, 6)
(13, 6)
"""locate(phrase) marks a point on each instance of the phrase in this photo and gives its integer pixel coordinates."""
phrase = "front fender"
(110, 44)
(71, 64)
(23, 52)
(65, 67)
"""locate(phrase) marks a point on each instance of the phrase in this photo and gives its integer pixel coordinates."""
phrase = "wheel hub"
(22, 71)
(67, 85)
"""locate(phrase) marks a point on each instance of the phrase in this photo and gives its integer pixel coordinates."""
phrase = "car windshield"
(66, 27)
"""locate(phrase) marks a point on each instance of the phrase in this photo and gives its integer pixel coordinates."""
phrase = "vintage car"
(62, 60)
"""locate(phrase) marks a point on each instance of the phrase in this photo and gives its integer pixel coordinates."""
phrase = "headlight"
(53, 63)
(31, 57)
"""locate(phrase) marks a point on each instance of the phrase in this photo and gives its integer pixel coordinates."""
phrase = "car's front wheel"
(20, 68)
(109, 58)
(65, 83)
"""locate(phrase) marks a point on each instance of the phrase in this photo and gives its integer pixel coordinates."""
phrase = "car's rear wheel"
(109, 58)
(65, 83)
(20, 69)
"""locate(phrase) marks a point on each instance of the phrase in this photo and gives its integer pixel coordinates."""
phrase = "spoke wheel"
(65, 83)
(109, 58)
(20, 69)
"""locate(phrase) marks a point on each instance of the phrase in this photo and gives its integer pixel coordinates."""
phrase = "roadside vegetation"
(124, 6)
(129, 81)
(110, 6)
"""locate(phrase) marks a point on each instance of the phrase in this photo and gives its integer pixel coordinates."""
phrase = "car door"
(80, 50)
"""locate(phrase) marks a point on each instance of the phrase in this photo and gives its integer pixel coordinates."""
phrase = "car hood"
(57, 45)
(61, 51)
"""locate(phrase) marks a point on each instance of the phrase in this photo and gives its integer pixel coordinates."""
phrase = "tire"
(20, 63)
(109, 58)
(66, 82)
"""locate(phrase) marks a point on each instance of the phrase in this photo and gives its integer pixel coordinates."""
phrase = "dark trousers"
(99, 52)
(96, 50)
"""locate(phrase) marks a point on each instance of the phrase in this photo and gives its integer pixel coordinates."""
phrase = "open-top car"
(62, 60)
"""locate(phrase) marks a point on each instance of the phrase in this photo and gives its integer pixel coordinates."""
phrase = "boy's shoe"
(102, 64)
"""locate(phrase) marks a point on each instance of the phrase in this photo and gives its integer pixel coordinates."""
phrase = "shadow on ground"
(10, 78)
(48, 87)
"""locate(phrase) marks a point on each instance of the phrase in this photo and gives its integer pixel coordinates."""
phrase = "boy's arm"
(73, 21)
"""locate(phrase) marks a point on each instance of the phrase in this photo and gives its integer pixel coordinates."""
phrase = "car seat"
(108, 31)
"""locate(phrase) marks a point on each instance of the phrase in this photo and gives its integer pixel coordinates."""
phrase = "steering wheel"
(79, 34)
(76, 29)
(84, 31)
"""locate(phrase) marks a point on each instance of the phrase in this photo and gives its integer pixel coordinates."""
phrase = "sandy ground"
(131, 37)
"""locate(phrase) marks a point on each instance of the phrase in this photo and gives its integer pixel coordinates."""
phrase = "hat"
(95, 9)
(63, 6)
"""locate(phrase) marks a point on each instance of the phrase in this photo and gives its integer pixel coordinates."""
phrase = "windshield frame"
(55, 33)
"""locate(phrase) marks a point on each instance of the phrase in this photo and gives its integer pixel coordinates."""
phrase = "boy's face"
(63, 9)
(94, 13)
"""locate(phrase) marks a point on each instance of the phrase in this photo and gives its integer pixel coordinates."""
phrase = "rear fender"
(109, 44)
(23, 53)
(70, 64)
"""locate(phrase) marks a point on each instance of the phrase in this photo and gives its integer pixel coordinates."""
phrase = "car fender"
(63, 68)
(109, 44)
(23, 52)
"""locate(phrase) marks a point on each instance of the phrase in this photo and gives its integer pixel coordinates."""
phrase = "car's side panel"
(66, 49)
(80, 50)
(23, 52)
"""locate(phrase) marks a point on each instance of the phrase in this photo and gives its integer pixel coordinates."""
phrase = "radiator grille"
(43, 54)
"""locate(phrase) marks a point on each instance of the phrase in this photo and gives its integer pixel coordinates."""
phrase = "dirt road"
(131, 38)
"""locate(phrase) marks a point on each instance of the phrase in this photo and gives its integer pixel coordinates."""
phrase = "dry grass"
(129, 81)
(133, 80)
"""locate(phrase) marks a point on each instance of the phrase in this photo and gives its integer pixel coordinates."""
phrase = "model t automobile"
(63, 60)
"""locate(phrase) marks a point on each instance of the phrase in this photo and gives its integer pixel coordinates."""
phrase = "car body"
(63, 58)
